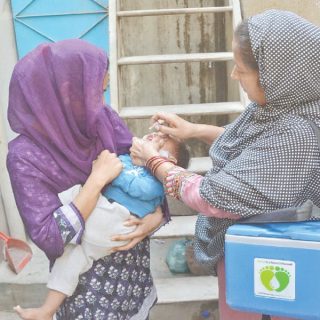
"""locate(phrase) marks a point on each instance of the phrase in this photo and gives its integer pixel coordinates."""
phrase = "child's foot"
(33, 313)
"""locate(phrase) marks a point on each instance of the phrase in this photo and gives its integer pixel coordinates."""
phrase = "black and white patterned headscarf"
(268, 158)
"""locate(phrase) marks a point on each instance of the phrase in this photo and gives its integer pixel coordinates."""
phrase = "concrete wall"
(3, 225)
(181, 83)
(8, 58)
(192, 82)
(10, 219)
(309, 9)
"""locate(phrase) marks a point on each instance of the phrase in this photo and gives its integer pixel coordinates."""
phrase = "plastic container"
(176, 257)
(274, 269)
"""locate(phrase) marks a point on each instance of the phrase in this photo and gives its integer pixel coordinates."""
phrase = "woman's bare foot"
(33, 313)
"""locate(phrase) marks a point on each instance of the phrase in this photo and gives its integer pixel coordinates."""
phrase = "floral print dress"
(117, 287)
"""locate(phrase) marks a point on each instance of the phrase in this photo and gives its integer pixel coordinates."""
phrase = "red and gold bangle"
(155, 162)
(151, 162)
(152, 159)
(157, 165)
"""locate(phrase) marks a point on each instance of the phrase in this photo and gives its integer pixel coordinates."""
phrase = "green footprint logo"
(274, 278)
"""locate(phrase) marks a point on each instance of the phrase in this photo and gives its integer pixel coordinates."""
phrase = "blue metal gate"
(39, 21)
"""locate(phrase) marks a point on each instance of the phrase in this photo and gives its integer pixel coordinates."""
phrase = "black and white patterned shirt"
(268, 158)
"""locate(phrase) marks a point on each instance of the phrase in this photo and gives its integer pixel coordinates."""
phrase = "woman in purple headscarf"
(67, 136)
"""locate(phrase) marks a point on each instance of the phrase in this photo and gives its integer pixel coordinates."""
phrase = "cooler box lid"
(306, 231)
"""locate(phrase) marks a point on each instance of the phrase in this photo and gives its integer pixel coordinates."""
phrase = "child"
(134, 191)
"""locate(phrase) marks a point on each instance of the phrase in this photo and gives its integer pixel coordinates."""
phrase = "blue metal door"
(39, 21)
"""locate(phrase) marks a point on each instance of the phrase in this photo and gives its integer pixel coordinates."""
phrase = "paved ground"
(8, 316)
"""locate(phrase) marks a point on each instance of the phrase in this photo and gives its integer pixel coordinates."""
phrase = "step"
(201, 288)
(186, 311)
(9, 316)
(200, 165)
(179, 226)
(162, 12)
(27, 295)
(216, 108)
(35, 272)
(178, 208)
(176, 58)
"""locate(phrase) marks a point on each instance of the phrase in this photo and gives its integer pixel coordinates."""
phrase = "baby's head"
(173, 148)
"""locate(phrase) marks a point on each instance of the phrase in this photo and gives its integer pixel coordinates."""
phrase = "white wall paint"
(8, 58)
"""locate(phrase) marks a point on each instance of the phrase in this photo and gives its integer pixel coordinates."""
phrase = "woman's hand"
(178, 128)
(175, 126)
(145, 226)
(142, 150)
(105, 168)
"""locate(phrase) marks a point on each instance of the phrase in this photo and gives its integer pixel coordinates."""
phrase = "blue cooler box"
(274, 269)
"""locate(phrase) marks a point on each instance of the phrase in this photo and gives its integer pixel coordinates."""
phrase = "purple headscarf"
(56, 95)
(56, 107)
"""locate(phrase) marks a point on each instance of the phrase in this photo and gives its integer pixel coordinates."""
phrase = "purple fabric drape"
(56, 107)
